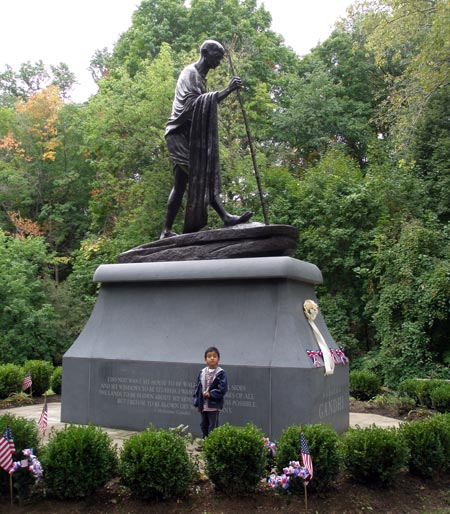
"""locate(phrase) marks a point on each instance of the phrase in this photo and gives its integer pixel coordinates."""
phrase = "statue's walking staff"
(250, 144)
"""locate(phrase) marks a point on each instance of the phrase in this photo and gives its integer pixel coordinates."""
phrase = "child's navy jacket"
(217, 390)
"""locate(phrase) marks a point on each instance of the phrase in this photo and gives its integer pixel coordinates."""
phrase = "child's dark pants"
(210, 421)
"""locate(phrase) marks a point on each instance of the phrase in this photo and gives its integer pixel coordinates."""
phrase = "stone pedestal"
(136, 361)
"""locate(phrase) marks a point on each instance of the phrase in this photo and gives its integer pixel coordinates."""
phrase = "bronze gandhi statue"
(192, 139)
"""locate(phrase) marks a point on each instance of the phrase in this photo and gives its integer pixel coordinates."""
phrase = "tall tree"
(31, 79)
(46, 177)
(410, 37)
(332, 97)
(125, 140)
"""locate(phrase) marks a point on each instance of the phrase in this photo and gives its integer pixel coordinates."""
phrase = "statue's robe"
(192, 140)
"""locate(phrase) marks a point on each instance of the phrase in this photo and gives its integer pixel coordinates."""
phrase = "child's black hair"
(212, 349)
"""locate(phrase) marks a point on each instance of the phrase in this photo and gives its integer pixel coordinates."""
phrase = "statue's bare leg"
(174, 201)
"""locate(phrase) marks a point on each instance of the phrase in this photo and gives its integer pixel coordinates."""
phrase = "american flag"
(7, 434)
(306, 457)
(43, 420)
(27, 381)
(6, 461)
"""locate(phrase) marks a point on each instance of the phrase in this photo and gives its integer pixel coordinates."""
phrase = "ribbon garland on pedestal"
(338, 355)
(311, 309)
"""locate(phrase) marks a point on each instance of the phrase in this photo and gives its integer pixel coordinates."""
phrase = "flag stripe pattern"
(43, 420)
(7, 434)
(6, 461)
(306, 457)
(27, 381)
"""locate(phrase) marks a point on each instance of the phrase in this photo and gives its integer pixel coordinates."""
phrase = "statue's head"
(213, 52)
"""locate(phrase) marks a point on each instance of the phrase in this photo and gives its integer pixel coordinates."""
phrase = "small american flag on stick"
(306, 458)
(7, 434)
(43, 420)
(27, 381)
(6, 461)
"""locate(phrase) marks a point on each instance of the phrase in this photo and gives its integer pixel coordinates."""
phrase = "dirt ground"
(407, 495)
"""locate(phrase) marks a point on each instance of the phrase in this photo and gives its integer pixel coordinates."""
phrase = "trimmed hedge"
(155, 465)
(429, 444)
(41, 373)
(440, 397)
(375, 454)
(410, 387)
(425, 389)
(235, 457)
(325, 449)
(78, 461)
(11, 379)
(364, 385)
(56, 380)
(429, 393)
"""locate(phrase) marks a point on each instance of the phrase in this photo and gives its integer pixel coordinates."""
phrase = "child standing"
(210, 388)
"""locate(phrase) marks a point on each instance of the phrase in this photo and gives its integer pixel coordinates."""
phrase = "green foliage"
(11, 379)
(374, 454)
(352, 144)
(412, 320)
(429, 444)
(425, 390)
(336, 214)
(442, 422)
(26, 435)
(325, 449)
(56, 380)
(78, 461)
(410, 43)
(125, 139)
(41, 374)
(155, 465)
(235, 458)
(410, 387)
(440, 397)
(364, 385)
(420, 390)
(32, 77)
(25, 314)
(402, 403)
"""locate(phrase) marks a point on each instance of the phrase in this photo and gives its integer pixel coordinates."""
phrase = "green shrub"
(235, 458)
(41, 373)
(442, 422)
(402, 404)
(374, 454)
(440, 397)
(364, 385)
(429, 444)
(25, 435)
(56, 380)
(155, 465)
(425, 389)
(11, 379)
(410, 387)
(77, 461)
(324, 447)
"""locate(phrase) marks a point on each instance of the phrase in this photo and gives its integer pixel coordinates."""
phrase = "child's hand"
(206, 395)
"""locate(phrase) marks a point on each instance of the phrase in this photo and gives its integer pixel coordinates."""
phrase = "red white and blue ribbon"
(337, 354)
(294, 470)
(31, 462)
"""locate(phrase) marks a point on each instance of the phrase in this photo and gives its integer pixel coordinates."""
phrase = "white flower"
(311, 309)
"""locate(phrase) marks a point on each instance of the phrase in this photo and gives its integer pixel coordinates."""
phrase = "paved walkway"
(54, 420)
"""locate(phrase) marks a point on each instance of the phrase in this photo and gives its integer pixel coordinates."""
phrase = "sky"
(71, 31)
